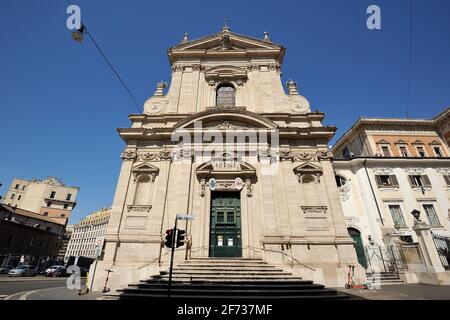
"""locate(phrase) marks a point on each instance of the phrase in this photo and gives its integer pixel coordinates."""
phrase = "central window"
(225, 95)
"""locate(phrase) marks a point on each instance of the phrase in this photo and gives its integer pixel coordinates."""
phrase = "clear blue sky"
(61, 105)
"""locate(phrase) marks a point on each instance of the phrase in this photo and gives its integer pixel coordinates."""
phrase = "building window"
(437, 151)
(421, 152)
(225, 96)
(45, 213)
(397, 216)
(384, 181)
(69, 195)
(18, 198)
(53, 194)
(431, 215)
(385, 151)
(63, 215)
(447, 179)
(12, 196)
(340, 180)
(17, 187)
(403, 151)
(66, 206)
(49, 204)
(419, 181)
(23, 187)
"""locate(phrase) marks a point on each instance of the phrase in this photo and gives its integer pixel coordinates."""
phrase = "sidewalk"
(402, 292)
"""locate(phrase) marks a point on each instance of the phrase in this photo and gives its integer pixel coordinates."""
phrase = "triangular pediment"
(308, 167)
(234, 42)
(145, 167)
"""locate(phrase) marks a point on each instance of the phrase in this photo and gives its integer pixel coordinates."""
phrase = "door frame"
(238, 236)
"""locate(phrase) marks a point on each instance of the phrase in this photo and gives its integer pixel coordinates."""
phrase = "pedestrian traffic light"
(180, 238)
(169, 238)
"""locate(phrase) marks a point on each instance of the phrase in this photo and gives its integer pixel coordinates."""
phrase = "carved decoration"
(128, 155)
(324, 155)
(249, 186)
(149, 156)
(177, 68)
(383, 171)
(415, 171)
(315, 210)
(202, 188)
(138, 208)
(445, 171)
(224, 125)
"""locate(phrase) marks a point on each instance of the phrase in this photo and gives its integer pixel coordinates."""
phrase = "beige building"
(249, 161)
(48, 197)
(86, 234)
(442, 122)
(388, 170)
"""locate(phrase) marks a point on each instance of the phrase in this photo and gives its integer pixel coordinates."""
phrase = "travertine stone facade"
(283, 183)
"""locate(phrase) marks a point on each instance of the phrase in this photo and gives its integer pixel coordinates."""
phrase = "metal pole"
(171, 258)
(382, 259)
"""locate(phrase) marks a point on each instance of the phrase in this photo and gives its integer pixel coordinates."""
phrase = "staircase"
(206, 278)
(385, 278)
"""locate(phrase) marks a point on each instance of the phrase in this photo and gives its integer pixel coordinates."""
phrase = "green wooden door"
(225, 234)
(359, 247)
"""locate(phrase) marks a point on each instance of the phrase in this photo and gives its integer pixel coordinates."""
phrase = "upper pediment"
(226, 42)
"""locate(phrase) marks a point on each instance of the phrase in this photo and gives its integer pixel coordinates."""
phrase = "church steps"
(287, 285)
(232, 278)
(246, 292)
(241, 298)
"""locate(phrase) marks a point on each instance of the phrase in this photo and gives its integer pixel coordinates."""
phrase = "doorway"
(225, 233)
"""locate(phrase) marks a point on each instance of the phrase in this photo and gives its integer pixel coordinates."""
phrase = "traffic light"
(180, 238)
(169, 238)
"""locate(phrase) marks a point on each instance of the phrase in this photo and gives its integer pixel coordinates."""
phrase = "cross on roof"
(226, 27)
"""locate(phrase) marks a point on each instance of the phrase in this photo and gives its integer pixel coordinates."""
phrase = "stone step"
(291, 284)
(226, 268)
(146, 296)
(226, 272)
(248, 292)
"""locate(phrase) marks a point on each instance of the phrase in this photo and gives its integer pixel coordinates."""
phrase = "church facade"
(249, 161)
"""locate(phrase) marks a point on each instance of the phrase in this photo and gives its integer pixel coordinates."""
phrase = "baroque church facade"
(227, 145)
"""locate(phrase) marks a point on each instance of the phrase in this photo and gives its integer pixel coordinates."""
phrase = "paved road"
(14, 285)
(41, 288)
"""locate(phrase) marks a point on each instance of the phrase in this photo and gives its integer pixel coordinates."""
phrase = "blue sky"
(61, 105)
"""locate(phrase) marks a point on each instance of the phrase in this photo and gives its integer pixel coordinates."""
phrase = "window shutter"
(411, 181)
(378, 180)
(426, 181)
(447, 179)
(394, 180)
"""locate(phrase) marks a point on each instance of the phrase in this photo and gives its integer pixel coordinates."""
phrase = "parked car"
(56, 271)
(6, 269)
(23, 271)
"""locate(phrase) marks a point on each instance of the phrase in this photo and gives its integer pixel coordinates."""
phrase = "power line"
(111, 66)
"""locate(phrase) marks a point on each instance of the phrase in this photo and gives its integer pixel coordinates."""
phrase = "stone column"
(427, 246)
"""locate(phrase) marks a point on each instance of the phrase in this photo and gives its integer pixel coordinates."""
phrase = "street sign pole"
(171, 257)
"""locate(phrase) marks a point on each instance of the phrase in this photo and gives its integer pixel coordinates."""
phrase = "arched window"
(225, 96)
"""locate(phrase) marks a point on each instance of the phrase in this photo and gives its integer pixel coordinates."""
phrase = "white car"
(23, 271)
